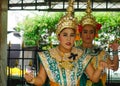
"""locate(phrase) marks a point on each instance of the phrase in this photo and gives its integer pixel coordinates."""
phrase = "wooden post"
(3, 42)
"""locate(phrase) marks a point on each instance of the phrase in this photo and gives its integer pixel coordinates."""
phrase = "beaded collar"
(66, 60)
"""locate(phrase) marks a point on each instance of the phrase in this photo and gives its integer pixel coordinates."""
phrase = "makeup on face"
(88, 34)
(67, 38)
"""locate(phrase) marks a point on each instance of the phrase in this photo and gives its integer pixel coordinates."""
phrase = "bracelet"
(32, 81)
(115, 53)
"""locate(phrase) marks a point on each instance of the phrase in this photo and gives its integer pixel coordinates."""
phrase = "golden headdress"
(67, 21)
(89, 19)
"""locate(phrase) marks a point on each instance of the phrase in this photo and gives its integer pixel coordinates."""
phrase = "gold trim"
(87, 58)
(68, 77)
(46, 65)
(66, 65)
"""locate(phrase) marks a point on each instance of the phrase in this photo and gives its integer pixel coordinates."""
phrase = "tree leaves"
(39, 28)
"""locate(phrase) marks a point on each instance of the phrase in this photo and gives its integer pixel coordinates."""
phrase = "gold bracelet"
(32, 81)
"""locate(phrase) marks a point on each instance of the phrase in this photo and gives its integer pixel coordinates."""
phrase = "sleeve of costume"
(106, 58)
(38, 61)
(38, 67)
(87, 59)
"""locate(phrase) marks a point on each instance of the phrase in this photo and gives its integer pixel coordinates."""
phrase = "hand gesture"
(115, 45)
(103, 65)
(29, 76)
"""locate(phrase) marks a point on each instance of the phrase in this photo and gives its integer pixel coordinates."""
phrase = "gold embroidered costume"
(65, 69)
(97, 52)
(63, 75)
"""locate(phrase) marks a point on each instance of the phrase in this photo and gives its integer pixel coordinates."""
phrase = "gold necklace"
(65, 64)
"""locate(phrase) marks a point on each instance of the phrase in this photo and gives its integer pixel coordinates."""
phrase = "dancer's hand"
(29, 77)
(114, 45)
(102, 65)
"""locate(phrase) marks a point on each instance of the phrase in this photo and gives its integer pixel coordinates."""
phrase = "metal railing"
(21, 59)
(60, 5)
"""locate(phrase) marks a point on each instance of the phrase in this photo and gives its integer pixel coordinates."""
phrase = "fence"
(21, 59)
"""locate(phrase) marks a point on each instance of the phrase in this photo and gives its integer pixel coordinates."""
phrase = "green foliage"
(39, 28)
(110, 26)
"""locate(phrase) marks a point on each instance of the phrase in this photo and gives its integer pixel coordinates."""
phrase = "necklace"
(65, 63)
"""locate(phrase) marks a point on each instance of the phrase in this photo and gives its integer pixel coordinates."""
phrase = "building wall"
(3, 42)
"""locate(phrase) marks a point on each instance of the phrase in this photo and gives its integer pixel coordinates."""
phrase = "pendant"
(66, 65)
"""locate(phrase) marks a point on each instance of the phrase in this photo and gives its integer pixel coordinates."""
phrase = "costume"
(97, 54)
(66, 70)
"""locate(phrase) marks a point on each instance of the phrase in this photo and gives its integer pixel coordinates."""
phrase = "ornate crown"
(67, 21)
(88, 18)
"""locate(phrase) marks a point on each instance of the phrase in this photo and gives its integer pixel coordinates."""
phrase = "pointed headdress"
(68, 20)
(89, 19)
